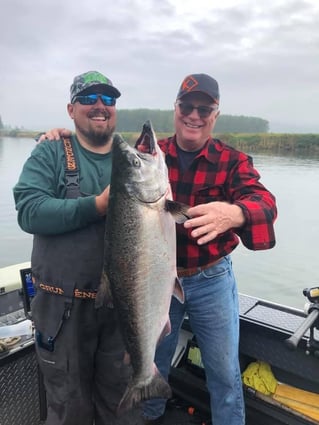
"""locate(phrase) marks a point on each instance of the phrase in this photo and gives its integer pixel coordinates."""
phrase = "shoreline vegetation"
(245, 133)
(272, 143)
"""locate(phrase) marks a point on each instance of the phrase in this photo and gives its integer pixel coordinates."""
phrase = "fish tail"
(135, 393)
(103, 295)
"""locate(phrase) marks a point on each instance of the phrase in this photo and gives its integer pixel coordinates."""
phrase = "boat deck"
(264, 329)
(177, 414)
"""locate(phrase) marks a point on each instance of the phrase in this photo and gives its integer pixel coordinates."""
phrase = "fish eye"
(136, 162)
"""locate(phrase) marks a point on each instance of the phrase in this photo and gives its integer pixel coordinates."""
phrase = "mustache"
(98, 112)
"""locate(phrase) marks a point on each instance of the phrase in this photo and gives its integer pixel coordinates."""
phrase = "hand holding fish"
(212, 219)
(102, 201)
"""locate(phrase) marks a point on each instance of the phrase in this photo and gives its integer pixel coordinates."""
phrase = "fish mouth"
(146, 142)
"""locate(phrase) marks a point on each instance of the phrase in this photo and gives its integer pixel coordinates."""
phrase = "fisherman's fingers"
(55, 134)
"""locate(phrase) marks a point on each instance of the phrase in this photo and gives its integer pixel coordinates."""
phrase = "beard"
(94, 135)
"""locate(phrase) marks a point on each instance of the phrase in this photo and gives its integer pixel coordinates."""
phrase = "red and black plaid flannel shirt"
(220, 173)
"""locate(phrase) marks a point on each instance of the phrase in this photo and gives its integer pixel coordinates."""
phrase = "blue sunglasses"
(91, 99)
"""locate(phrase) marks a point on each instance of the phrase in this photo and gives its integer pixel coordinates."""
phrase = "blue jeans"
(211, 302)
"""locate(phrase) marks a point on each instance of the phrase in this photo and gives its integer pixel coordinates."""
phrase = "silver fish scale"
(140, 255)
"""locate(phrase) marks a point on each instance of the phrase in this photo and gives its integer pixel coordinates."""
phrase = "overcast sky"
(265, 56)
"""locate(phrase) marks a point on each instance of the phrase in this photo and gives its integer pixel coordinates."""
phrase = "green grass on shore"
(248, 142)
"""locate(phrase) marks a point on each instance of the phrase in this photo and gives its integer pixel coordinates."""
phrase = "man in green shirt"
(61, 198)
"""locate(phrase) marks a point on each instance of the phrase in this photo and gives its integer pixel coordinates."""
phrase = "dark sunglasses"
(203, 110)
(91, 99)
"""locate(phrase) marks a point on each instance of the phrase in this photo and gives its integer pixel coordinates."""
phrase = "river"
(277, 275)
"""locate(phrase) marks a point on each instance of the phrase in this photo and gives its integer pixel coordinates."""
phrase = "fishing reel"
(310, 323)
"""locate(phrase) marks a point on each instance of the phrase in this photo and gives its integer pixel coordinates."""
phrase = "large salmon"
(140, 258)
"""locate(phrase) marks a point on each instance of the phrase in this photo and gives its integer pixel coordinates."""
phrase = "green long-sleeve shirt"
(39, 194)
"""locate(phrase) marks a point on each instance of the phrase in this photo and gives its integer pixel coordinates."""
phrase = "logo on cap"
(94, 77)
(189, 84)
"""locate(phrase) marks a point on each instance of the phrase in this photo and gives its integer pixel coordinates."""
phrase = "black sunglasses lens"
(186, 108)
(204, 111)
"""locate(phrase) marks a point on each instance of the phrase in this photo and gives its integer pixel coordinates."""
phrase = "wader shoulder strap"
(72, 175)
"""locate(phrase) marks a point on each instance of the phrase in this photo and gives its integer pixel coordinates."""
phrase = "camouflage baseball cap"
(86, 81)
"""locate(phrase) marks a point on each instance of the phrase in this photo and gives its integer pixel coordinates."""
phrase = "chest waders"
(63, 265)
(84, 373)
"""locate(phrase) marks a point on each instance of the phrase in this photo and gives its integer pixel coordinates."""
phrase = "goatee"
(97, 138)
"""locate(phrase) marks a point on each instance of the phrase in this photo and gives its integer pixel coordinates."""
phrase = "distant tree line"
(249, 134)
(241, 124)
(275, 143)
(132, 120)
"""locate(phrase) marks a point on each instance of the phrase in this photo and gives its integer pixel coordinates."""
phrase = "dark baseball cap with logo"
(199, 83)
(84, 83)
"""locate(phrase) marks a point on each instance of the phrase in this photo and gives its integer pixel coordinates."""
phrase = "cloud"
(265, 56)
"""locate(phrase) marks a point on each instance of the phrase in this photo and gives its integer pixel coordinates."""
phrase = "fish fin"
(178, 291)
(136, 393)
(104, 295)
(178, 210)
(166, 331)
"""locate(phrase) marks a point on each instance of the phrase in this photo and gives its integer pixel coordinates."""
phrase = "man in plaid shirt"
(227, 202)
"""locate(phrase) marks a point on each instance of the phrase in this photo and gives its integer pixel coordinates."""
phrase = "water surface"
(277, 275)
